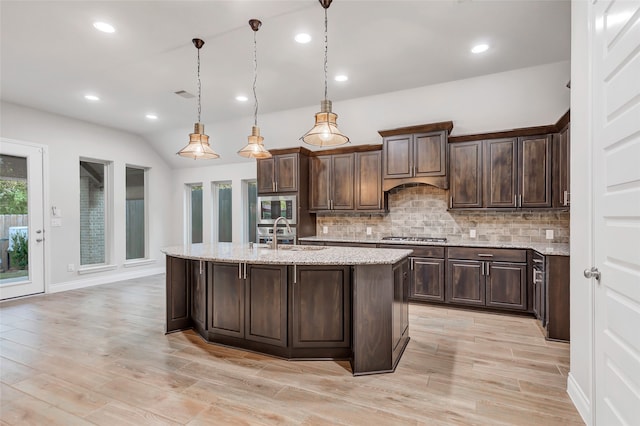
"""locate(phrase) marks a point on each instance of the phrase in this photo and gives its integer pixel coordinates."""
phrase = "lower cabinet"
(400, 311)
(500, 282)
(198, 284)
(321, 307)
(249, 302)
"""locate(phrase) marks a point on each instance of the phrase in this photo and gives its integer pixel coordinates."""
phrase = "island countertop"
(288, 255)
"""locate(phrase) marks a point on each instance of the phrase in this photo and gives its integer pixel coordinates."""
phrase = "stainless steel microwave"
(272, 207)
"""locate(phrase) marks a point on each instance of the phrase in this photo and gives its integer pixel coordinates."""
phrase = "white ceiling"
(51, 55)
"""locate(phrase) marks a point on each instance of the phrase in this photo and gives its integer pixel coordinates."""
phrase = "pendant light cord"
(326, 51)
(199, 88)
(255, 78)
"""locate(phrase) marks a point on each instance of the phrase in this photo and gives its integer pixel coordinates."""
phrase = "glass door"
(21, 220)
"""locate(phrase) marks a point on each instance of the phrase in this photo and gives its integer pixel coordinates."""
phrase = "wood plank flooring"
(100, 356)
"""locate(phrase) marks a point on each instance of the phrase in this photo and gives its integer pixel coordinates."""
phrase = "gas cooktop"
(419, 239)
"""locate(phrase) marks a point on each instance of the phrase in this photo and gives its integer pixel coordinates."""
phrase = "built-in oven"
(272, 207)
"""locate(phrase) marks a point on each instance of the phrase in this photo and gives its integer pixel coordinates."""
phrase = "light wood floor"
(100, 356)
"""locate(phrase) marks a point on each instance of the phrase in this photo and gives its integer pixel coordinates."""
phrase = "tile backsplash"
(421, 211)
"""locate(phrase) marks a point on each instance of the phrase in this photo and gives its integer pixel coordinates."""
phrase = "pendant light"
(255, 147)
(325, 132)
(198, 146)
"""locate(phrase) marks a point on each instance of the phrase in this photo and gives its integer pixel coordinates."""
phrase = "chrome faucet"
(274, 244)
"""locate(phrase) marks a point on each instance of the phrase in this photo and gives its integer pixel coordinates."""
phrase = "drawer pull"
(537, 260)
(484, 255)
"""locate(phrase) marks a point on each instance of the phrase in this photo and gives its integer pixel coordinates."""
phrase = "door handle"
(39, 240)
(592, 273)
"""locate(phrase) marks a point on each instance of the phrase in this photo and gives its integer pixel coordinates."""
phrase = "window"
(194, 212)
(223, 211)
(250, 201)
(135, 213)
(95, 222)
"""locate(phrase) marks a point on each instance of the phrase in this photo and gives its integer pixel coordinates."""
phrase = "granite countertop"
(558, 249)
(299, 255)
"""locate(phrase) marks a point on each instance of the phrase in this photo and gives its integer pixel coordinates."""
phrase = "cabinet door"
(465, 187)
(429, 154)
(266, 304)
(368, 186)
(199, 294)
(535, 171)
(500, 172)
(227, 300)
(178, 294)
(266, 175)
(286, 172)
(319, 182)
(342, 182)
(398, 156)
(321, 307)
(561, 178)
(427, 279)
(506, 285)
(465, 282)
(400, 310)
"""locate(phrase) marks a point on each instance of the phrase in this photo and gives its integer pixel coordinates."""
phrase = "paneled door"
(615, 133)
(21, 219)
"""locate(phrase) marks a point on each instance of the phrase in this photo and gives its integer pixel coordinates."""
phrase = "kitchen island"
(296, 302)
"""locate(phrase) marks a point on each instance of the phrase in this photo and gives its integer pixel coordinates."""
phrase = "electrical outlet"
(71, 267)
(369, 232)
(549, 235)
(325, 229)
(472, 233)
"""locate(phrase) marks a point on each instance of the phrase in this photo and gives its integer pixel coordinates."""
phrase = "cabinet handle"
(411, 263)
(276, 186)
(520, 200)
(201, 267)
(295, 274)
(565, 199)
(245, 271)
(485, 255)
(240, 270)
(537, 261)
(451, 202)
(535, 276)
(482, 268)
(515, 200)
(488, 268)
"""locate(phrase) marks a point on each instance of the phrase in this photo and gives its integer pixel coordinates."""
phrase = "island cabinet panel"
(368, 189)
(500, 172)
(427, 279)
(178, 294)
(465, 181)
(198, 283)
(506, 285)
(535, 171)
(266, 304)
(465, 282)
(227, 300)
(400, 304)
(321, 307)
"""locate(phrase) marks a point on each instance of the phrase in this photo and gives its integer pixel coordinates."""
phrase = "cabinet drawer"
(498, 255)
(419, 251)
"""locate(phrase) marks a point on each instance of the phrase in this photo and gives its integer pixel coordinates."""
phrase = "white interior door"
(23, 237)
(615, 126)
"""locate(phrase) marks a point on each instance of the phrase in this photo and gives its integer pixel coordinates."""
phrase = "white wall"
(580, 377)
(68, 140)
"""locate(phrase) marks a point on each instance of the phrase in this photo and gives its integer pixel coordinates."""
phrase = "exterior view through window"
(196, 213)
(92, 213)
(135, 213)
(222, 197)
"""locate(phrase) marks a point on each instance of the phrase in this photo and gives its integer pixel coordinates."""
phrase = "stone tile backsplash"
(421, 211)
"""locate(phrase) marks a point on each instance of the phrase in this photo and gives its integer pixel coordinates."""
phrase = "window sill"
(138, 262)
(91, 269)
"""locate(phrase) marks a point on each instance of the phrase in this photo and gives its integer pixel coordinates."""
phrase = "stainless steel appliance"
(265, 234)
(272, 207)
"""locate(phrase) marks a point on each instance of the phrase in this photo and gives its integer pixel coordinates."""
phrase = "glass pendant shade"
(325, 132)
(255, 148)
(198, 146)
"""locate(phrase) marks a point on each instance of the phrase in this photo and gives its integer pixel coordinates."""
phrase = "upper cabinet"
(280, 173)
(346, 179)
(501, 173)
(561, 165)
(416, 154)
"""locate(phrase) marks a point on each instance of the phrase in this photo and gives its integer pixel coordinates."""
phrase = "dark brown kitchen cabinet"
(178, 291)
(400, 311)
(557, 297)
(465, 180)
(500, 173)
(538, 284)
(561, 169)
(248, 302)
(332, 182)
(278, 174)
(368, 187)
(534, 175)
(198, 283)
(321, 307)
(495, 278)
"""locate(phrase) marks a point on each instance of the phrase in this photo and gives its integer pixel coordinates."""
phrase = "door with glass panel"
(22, 235)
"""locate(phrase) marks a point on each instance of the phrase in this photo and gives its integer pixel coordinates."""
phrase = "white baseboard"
(105, 279)
(579, 399)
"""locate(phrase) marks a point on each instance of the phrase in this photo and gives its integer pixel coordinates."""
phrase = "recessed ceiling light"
(341, 77)
(151, 116)
(91, 97)
(303, 38)
(479, 48)
(104, 27)
(241, 98)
